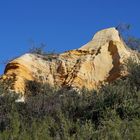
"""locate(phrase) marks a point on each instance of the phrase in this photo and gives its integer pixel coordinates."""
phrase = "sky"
(60, 24)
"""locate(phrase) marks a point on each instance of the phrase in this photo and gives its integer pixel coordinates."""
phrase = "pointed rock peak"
(101, 37)
(107, 34)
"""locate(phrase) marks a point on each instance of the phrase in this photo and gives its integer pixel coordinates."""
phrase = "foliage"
(112, 113)
(37, 49)
(40, 50)
(131, 41)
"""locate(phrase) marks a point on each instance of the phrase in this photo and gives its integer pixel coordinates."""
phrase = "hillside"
(92, 93)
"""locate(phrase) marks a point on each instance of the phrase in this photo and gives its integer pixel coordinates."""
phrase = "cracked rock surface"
(90, 66)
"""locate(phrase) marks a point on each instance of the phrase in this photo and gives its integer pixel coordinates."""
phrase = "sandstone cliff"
(90, 66)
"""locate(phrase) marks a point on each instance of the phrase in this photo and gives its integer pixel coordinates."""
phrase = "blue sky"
(60, 24)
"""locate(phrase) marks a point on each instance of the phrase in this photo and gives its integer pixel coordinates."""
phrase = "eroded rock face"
(90, 66)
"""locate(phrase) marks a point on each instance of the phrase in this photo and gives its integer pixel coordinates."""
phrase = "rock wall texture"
(90, 66)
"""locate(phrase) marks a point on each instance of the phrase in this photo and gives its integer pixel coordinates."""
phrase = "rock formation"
(90, 66)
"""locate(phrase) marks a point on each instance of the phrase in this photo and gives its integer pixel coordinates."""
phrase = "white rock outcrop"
(90, 66)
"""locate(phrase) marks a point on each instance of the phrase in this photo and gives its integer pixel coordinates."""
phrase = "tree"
(131, 41)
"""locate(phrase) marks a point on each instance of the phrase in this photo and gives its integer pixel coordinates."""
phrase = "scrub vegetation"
(112, 113)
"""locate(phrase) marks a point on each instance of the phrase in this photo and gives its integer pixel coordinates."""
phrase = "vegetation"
(112, 113)
(131, 41)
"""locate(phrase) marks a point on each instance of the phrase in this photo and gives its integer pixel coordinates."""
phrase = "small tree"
(131, 41)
